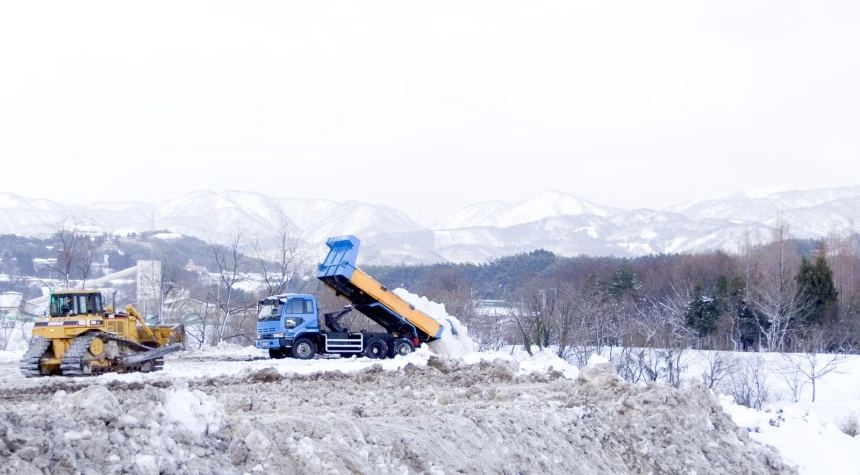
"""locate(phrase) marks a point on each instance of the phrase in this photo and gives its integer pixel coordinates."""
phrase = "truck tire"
(376, 349)
(277, 353)
(303, 349)
(402, 347)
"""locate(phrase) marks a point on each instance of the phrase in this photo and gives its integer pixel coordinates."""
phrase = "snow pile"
(453, 417)
(540, 361)
(90, 431)
(445, 417)
(195, 410)
(455, 339)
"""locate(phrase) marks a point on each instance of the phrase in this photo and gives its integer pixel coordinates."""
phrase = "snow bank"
(455, 339)
(815, 446)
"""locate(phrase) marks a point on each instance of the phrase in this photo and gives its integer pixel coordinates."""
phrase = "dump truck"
(289, 324)
(78, 336)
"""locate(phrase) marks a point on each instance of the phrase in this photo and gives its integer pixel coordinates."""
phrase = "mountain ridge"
(560, 222)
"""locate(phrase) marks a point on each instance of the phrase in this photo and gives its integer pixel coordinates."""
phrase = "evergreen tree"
(702, 312)
(24, 262)
(734, 303)
(816, 288)
(624, 280)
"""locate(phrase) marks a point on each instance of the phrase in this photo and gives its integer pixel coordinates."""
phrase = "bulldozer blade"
(135, 359)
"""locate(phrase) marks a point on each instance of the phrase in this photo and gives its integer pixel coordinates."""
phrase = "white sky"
(428, 106)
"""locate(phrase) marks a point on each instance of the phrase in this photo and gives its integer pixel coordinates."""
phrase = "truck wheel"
(376, 349)
(277, 353)
(402, 347)
(303, 349)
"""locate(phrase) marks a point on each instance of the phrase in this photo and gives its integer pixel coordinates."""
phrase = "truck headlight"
(278, 335)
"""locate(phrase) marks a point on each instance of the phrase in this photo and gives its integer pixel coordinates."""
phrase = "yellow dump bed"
(371, 298)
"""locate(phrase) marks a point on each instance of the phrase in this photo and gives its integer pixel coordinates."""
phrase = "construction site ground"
(239, 412)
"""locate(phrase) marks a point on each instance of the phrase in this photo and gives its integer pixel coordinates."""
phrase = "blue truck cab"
(285, 320)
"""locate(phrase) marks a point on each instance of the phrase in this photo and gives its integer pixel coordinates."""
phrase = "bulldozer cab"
(70, 303)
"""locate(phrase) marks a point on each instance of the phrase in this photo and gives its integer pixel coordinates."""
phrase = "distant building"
(88, 231)
(10, 305)
(493, 308)
(190, 267)
(40, 263)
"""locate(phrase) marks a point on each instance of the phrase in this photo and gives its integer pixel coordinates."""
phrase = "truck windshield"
(270, 311)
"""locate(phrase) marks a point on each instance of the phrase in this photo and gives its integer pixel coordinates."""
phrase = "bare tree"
(166, 284)
(813, 364)
(200, 319)
(677, 360)
(775, 291)
(534, 318)
(231, 264)
(85, 254)
(278, 263)
(748, 384)
(631, 364)
(794, 379)
(717, 365)
(582, 321)
(66, 233)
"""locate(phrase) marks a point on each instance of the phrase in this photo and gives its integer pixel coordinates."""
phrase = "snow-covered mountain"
(499, 214)
(810, 213)
(563, 223)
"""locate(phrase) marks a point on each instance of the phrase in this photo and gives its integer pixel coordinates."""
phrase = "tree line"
(782, 296)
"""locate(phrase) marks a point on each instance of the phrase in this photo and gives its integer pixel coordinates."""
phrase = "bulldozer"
(78, 336)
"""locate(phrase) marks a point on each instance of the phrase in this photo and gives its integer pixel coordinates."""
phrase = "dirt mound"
(446, 417)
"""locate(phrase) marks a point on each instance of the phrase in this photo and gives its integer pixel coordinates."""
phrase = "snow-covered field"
(443, 409)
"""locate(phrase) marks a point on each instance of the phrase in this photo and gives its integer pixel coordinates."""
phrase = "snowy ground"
(807, 435)
(229, 411)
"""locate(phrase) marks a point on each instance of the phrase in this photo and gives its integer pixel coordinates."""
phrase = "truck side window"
(309, 306)
(295, 306)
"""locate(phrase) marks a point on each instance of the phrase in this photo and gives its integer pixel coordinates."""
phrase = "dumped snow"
(196, 411)
(455, 339)
(445, 417)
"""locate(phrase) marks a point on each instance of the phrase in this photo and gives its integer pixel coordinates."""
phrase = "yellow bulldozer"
(80, 337)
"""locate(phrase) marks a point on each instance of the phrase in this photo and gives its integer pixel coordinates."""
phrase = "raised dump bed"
(371, 298)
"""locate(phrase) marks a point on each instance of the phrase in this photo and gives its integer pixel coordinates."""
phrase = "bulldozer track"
(73, 365)
(30, 361)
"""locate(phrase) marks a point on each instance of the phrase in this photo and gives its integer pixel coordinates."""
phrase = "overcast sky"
(428, 106)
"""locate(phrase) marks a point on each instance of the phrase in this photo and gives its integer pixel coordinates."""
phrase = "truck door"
(303, 312)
